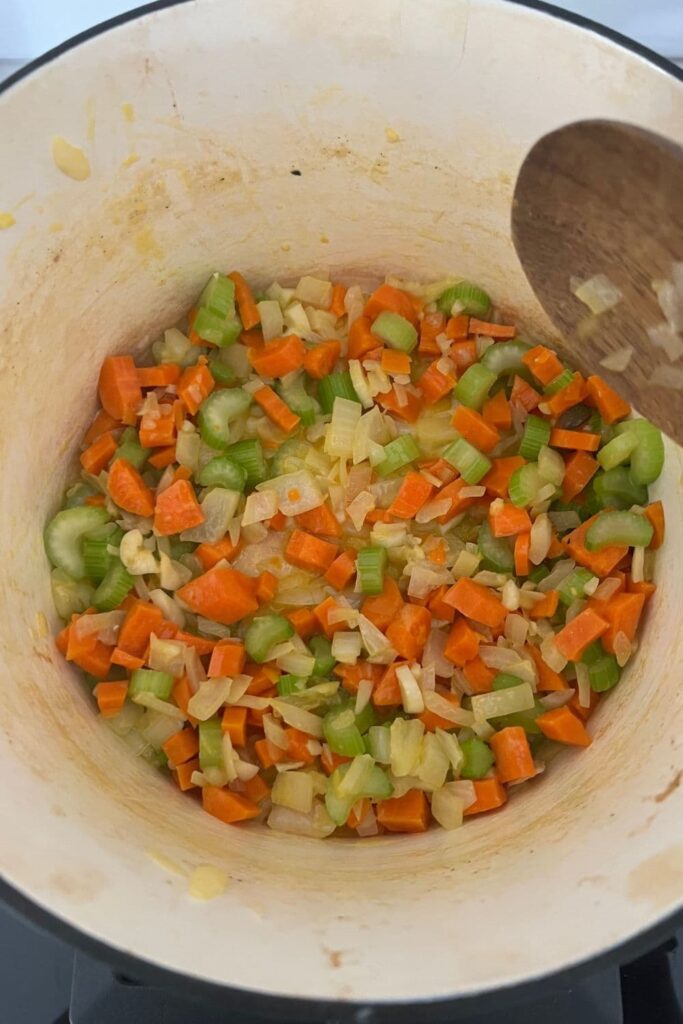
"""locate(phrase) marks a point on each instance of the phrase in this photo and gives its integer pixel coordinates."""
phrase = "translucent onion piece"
(210, 696)
(299, 718)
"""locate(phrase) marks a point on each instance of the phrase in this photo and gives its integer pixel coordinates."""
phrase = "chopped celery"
(379, 743)
(70, 597)
(621, 528)
(221, 372)
(335, 385)
(249, 455)
(370, 565)
(505, 680)
(130, 449)
(536, 436)
(289, 684)
(299, 401)
(320, 647)
(290, 457)
(603, 669)
(467, 459)
(524, 485)
(525, 719)
(496, 552)
(559, 382)
(219, 296)
(76, 495)
(114, 587)
(478, 758)
(216, 413)
(617, 450)
(341, 732)
(96, 558)
(573, 587)
(397, 454)
(216, 330)
(223, 472)
(539, 573)
(473, 387)
(396, 331)
(263, 633)
(370, 781)
(146, 680)
(472, 300)
(211, 744)
(365, 718)
(505, 356)
(617, 489)
(647, 459)
(176, 347)
(64, 534)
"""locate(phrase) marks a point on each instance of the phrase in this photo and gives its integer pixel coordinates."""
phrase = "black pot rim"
(305, 1010)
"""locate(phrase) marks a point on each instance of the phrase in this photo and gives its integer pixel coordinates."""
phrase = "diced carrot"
(321, 360)
(227, 806)
(509, 520)
(438, 551)
(382, 609)
(234, 722)
(431, 325)
(276, 410)
(201, 644)
(297, 746)
(497, 411)
(497, 480)
(575, 637)
(342, 570)
(463, 354)
(178, 414)
(309, 552)
(489, 330)
(458, 504)
(548, 679)
(432, 721)
(475, 429)
(181, 747)
(602, 562)
(88, 652)
(394, 362)
(330, 760)
(267, 587)
(102, 423)
(655, 513)
(407, 410)
(522, 566)
(546, 607)
(476, 602)
(438, 607)
(415, 490)
(95, 458)
(579, 440)
(524, 395)
(221, 594)
(408, 813)
(409, 631)
(163, 457)
(279, 357)
(277, 522)
(183, 775)
(268, 754)
(141, 621)
(128, 490)
(608, 403)
(361, 338)
(379, 515)
(182, 473)
(96, 500)
(543, 363)
(491, 794)
(304, 622)
(194, 386)
(337, 304)
(246, 306)
(262, 678)
(563, 726)
(571, 394)
(622, 613)
(161, 376)
(358, 812)
(580, 468)
(478, 675)
(458, 327)
(177, 509)
(351, 675)
(256, 789)
(579, 710)
(322, 612)
(110, 697)
(227, 659)
(514, 762)
(387, 693)
(394, 300)
(252, 339)
(119, 389)
(435, 385)
(321, 521)
(210, 554)
(158, 431)
(181, 693)
(462, 644)
(643, 587)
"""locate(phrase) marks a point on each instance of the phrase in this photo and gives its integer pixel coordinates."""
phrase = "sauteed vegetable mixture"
(353, 563)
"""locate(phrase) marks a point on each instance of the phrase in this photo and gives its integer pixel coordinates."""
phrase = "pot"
(281, 138)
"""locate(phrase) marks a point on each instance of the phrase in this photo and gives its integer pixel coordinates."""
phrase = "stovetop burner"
(43, 982)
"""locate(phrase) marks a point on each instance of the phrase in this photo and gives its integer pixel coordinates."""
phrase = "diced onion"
(607, 588)
(172, 611)
(297, 492)
(358, 509)
(425, 578)
(210, 696)
(551, 654)
(502, 702)
(406, 745)
(466, 564)
(363, 694)
(314, 291)
(346, 647)
(259, 506)
(540, 538)
(433, 509)
(561, 570)
(378, 648)
(411, 695)
(299, 718)
(638, 565)
(272, 322)
(558, 698)
(516, 629)
(623, 648)
(444, 709)
(598, 293)
(154, 703)
(583, 684)
(317, 824)
(341, 430)
(447, 807)
(293, 790)
(166, 656)
(510, 596)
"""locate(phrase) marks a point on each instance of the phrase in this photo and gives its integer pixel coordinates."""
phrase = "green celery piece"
(249, 455)
(496, 552)
(147, 680)
(342, 733)
(114, 587)
(478, 758)
(468, 460)
(536, 436)
(64, 534)
(321, 649)
(615, 489)
(211, 744)
(223, 471)
(336, 385)
(472, 299)
(370, 565)
(395, 331)
(217, 412)
(397, 454)
(263, 633)
(631, 529)
(473, 387)
(505, 356)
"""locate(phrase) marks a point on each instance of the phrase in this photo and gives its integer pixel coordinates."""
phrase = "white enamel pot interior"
(228, 100)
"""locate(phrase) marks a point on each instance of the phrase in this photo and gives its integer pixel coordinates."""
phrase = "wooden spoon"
(597, 197)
